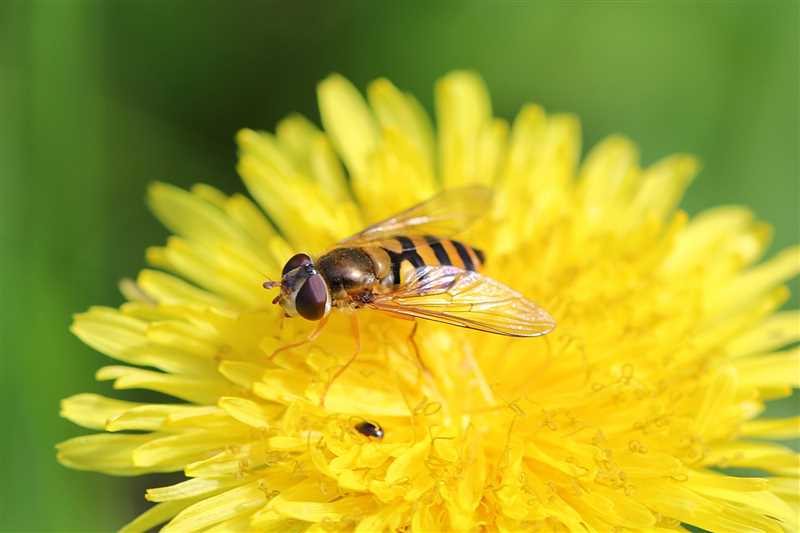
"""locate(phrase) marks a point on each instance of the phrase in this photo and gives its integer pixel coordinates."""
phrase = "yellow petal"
(266, 149)
(773, 428)
(210, 511)
(468, 490)
(757, 498)
(235, 461)
(133, 292)
(787, 488)
(147, 417)
(210, 194)
(463, 109)
(241, 373)
(401, 112)
(172, 360)
(185, 448)
(687, 506)
(190, 417)
(394, 161)
(268, 520)
(425, 519)
(180, 335)
(190, 216)
(156, 515)
(327, 170)
(527, 131)
(380, 521)
(109, 331)
(189, 489)
(720, 393)
(761, 455)
(240, 524)
(492, 148)
(282, 386)
(120, 336)
(775, 332)
(350, 394)
(307, 501)
(186, 388)
(172, 290)
(538, 184)
(773, 370)
(348, 121)
(253, 222)
(607, 177)
(729, 234)
(295, 135)
(409, 463)
(616, 507)
(246, 411)
(662, 186)
(758, 281)
(92, 410)
(277, 186)
(212, 268)
(715, 333)
(267, 185)
(557, 159)
(107, 453)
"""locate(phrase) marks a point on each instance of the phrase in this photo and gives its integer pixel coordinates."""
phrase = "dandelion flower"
(625, 418)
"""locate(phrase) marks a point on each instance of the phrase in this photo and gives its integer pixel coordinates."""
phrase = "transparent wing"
(467, 299)
(444, 215)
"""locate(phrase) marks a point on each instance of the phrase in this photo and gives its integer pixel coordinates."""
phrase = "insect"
(368, 429)
(409, 266)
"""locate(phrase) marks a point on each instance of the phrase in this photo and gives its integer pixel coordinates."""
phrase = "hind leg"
(311, 337)
(413, 342)
(341, 369)
(422, 369)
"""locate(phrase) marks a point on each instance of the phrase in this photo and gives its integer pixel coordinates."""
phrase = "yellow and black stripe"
(408, 253)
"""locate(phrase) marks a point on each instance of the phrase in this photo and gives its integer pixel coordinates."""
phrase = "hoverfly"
(409, 266)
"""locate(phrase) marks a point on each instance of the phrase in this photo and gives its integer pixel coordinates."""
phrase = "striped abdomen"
(406, 254)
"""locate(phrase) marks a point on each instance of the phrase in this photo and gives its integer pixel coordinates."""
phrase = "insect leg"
(341, 369)
(422, 370)
(413, 342)
(311, 337)
(411, 339)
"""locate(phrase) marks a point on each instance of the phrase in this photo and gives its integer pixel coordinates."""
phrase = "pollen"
(629, 416)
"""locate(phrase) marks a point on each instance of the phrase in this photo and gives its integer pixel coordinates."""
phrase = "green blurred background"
(99, 98)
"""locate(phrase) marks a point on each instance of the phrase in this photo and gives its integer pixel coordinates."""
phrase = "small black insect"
(368, 429)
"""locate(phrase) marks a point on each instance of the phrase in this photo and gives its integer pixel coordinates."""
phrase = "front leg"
(311, 337)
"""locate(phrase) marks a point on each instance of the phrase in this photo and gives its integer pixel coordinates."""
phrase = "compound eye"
(312, 298)
(295, 261)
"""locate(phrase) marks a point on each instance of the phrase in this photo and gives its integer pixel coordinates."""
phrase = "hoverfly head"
(303, 289)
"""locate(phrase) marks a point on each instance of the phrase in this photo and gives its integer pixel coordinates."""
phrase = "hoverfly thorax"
(303, 289)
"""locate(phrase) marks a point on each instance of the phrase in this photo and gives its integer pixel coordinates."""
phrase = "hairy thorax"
(350, 273)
